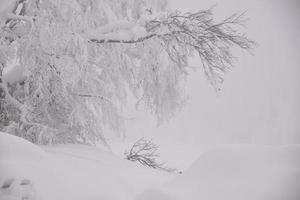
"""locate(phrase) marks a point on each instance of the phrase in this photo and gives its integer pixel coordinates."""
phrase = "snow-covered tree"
(68, 65)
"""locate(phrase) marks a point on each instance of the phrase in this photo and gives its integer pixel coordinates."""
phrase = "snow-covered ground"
(71, 172)
(237, 172)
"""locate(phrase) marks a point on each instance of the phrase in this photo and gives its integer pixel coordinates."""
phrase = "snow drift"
(68, 172)
(237, 173)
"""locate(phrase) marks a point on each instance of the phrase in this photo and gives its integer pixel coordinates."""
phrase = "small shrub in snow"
(145, 152)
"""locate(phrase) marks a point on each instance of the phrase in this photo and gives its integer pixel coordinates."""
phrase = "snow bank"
(237, 173)
(69, 172)
(14, 74)
(13, 148)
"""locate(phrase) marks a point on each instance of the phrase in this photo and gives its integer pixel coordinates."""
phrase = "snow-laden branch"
(9, 98)
(125, 40)
(11, 10)
(122, 31)
(94, 96)
(212, 41)
(116, 26)
(16, 103)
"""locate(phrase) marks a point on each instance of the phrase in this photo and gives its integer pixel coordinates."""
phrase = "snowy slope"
(237, 172)
(75, 172)
(71, 172)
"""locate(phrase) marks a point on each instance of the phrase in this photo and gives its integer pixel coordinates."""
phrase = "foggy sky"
(259, 101)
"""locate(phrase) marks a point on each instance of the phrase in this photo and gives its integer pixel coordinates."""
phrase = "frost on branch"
(181, 34)
(79, 59)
